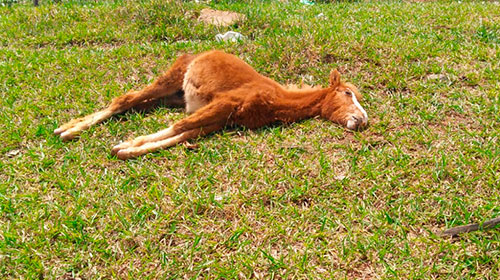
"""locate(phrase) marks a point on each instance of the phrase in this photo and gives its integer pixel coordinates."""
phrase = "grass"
(307, 200)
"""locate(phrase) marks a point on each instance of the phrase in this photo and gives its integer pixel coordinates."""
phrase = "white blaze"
(355, 101)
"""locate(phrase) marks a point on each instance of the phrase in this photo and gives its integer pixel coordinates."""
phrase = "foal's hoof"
(66, 134)
(124, 154)
(115, 150)
(121, 146)
(58, 131)
(68, 131)
(69, 135)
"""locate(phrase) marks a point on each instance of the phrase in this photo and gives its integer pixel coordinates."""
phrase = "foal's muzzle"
(357, 122)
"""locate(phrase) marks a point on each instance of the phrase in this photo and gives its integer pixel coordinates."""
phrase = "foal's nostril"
(356, 122)
(362, 122)
(359, 120)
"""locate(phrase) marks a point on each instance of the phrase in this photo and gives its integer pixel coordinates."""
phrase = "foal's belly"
(193, 100)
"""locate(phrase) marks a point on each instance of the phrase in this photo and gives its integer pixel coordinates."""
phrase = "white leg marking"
(162, 134)
(72, 131)
(149, 147)
(141, 140)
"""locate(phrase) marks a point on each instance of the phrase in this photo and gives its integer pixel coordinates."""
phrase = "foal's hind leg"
(165, 86)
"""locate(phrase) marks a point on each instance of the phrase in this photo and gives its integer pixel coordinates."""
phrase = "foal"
(220, 90)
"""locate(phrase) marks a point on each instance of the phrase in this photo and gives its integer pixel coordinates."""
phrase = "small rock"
(441, 77)
(13, 153)
(340, 177)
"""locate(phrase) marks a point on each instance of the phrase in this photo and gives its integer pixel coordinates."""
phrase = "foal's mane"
(301, 87)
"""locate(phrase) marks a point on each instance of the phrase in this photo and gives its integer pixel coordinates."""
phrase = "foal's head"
(342, 104)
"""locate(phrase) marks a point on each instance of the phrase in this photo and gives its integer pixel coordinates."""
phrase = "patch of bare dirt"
(220, 18)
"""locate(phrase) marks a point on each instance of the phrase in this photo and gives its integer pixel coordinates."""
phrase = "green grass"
(306, 200)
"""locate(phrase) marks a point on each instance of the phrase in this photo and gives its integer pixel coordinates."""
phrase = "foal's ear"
(334, 78)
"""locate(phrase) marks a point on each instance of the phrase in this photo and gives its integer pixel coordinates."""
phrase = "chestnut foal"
(221, 90)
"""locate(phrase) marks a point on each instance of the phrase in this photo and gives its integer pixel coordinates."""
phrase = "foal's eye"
(348, 92)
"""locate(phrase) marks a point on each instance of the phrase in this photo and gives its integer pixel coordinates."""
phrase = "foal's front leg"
(212, 117)
(160, 135)
(148, 147)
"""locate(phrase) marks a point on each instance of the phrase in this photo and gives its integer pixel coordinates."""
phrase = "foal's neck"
(294, 105)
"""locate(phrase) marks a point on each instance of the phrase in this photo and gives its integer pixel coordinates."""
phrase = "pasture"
(309, 200)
